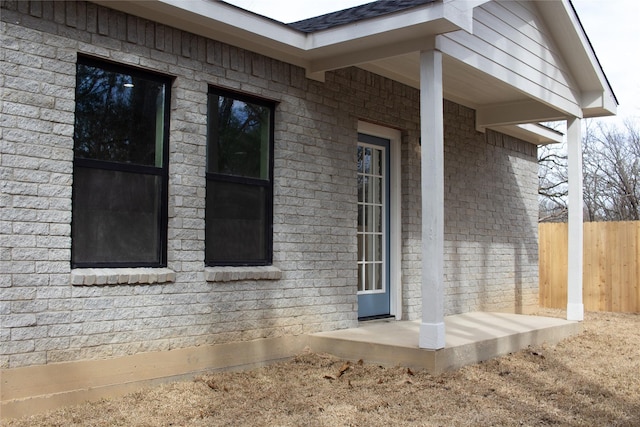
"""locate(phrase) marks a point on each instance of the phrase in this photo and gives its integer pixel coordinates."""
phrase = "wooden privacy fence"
(611, 267)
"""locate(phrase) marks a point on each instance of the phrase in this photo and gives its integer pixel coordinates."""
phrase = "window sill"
(121, 276)
(231, 274)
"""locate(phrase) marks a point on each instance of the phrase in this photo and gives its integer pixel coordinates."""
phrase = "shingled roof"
(353, 14)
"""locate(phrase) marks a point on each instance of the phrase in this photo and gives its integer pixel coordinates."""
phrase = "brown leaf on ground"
(344, 368)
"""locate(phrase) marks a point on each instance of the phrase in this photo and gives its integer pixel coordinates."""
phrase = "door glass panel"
(369, 247)
(377, 275)
(367, 161)
(376, 195)
(377, 247)
(369, 277)
(369, 189)
(371, 214)
(377, 220)
(376, 162)
(368, 220)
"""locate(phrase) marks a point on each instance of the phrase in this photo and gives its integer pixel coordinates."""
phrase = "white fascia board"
(579, 55)
(366, 55)
(586, 45)
(387, 36)
(532, 132)
(393, 26)
(515, 113)
(599, 103)
(239, 21)
(464, 11)
(219, 21)
(350, 44)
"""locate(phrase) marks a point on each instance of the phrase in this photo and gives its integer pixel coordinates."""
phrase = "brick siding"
(490, 203)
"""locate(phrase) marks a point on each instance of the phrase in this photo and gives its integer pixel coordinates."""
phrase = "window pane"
(376, 162)
(367, 160)
(115, 217)
(239, 136)
(373, 193)
(377, 274)
(376, 197)
(377, 221)
(369, 277)
(360, 159)
(369, 219)
(119, 117)
(236, 222)
(378, 246)
(369, 242)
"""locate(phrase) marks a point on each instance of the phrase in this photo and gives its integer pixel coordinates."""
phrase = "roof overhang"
(389, 45)
(346, 45)
(562, 19)
(532, 132)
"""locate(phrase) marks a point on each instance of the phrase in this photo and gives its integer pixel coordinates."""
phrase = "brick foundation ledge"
(121, 276)
(35, 389)
(230, 274)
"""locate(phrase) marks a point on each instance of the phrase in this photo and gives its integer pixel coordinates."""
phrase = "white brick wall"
(45, 319)
(491, 211)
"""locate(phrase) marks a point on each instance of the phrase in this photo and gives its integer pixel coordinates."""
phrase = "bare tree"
(552, 180)
(611, 172)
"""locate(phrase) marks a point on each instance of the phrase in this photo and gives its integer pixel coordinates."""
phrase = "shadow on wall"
(491, 257)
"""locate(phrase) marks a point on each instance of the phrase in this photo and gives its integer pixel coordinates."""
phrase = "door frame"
(395, 211)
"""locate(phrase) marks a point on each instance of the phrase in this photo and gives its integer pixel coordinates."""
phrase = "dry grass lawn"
(589, 380)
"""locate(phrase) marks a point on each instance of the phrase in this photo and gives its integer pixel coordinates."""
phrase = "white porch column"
(432, 333)
(575, 308)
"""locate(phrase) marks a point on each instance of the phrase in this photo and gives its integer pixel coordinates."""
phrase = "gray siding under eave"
(511, 43)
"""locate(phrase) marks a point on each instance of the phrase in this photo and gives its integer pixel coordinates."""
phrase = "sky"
(613, 27)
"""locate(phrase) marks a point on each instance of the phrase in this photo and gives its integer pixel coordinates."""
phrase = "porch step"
(470, 338)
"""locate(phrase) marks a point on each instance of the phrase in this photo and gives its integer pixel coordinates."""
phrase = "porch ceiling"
(461, 83)
(499, 106)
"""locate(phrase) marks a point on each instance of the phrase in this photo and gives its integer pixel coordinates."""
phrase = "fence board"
(611, 267)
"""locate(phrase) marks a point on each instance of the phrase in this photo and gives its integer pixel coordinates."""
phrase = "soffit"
(461, 83)
(389, 45)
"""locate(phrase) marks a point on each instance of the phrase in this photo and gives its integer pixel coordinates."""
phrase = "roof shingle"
(353, 14)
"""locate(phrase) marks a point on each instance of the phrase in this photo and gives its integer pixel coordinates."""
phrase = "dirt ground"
(589, 380)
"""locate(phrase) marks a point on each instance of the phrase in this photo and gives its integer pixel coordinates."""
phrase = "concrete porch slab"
(470, 338)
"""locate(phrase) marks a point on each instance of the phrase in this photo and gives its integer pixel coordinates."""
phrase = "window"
(239, 205)
(119, 213)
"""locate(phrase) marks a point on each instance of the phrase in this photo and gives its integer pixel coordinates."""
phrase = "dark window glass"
(239, 137)
(119, 117)
(115, 216)
(239, 180)
(236, 222)
(119, 214)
